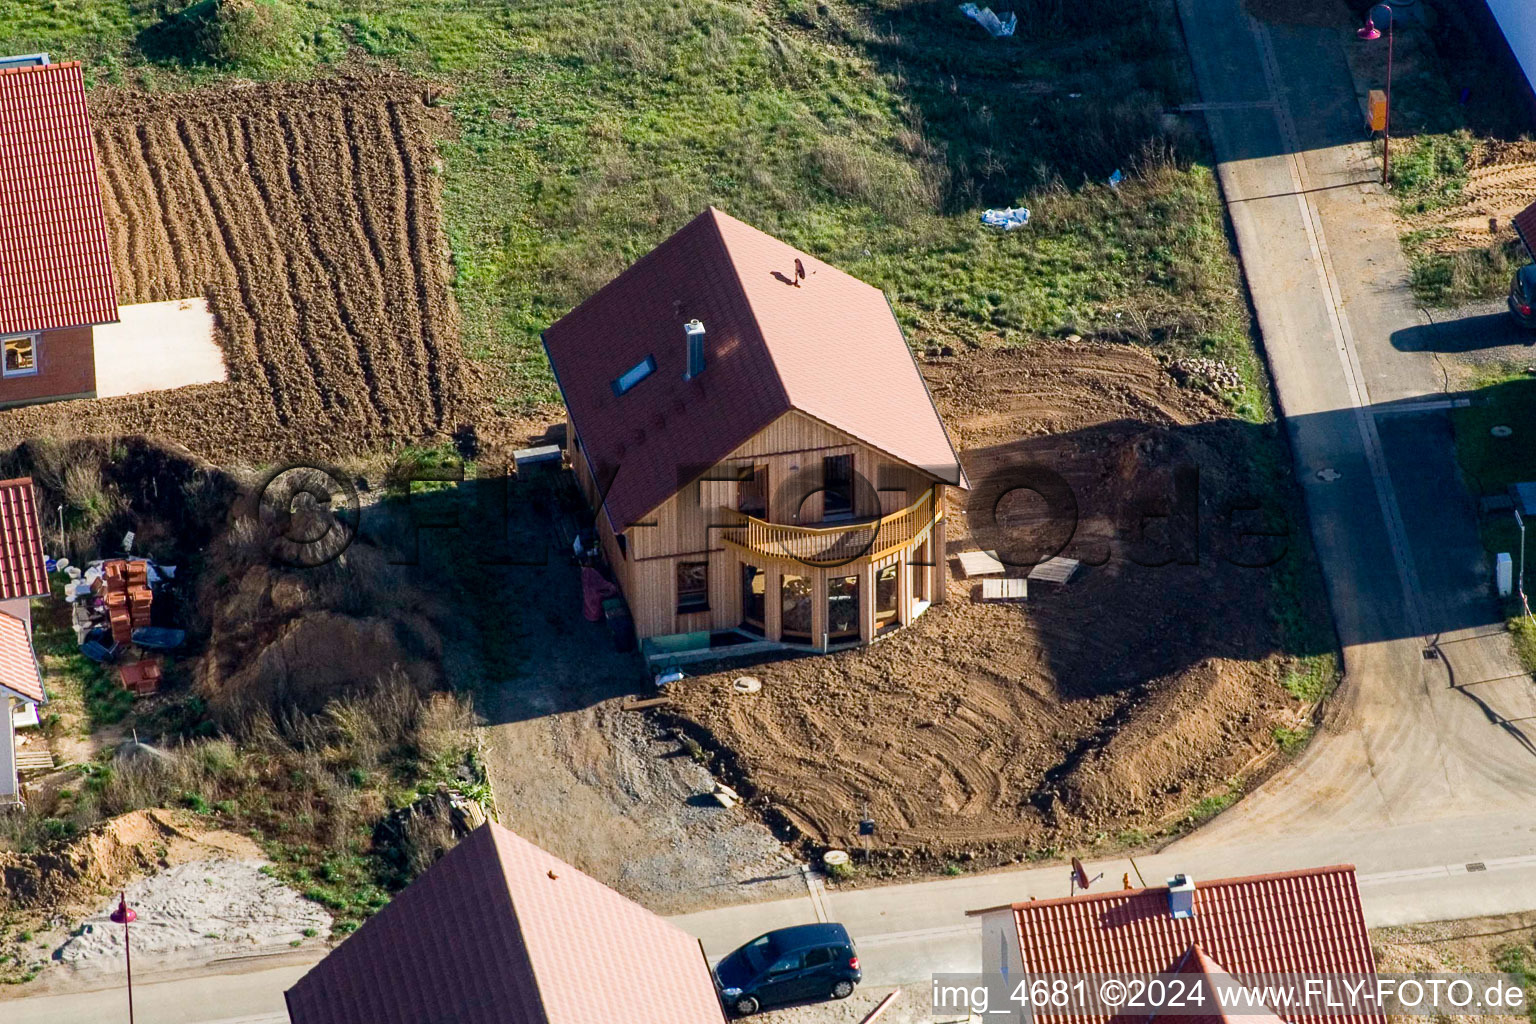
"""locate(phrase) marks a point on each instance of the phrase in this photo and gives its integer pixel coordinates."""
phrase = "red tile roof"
(500, 931)
(1525, 227)
(22, 569)
(1293, 922)
(830, 348)
(55, 270)
(18, 665)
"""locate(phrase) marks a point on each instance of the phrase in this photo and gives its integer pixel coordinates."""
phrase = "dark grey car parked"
(809, 961)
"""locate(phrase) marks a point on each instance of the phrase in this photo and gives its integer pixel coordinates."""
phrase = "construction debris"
(984, 17)
(1009, 591)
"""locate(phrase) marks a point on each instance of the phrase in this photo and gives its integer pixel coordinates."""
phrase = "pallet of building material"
(1055, 570)
(141, 677)
(979, 563)
(1004, 590)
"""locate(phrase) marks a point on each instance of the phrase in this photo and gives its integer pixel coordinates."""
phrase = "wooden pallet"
(34, 760)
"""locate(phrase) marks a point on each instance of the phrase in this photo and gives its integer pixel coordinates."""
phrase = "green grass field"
(870, 132)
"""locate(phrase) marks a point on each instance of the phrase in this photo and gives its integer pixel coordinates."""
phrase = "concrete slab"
(157, 346)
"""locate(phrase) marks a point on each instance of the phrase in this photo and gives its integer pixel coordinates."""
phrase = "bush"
(248, 35)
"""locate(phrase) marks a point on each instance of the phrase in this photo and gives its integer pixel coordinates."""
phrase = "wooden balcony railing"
(835, 543)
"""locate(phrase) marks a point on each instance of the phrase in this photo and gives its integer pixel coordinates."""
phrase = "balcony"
(836, 544)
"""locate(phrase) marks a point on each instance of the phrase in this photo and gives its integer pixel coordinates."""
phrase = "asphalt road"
(1410, 738)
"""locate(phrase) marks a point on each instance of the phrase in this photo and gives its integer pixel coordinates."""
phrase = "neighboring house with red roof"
(500, 931)
(56, 280)
(1288, 923)
(757, 442)
(23, 576)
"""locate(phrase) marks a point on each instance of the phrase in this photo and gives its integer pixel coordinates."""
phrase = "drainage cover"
(747, 684)
(1477, 865)
(1430, 654)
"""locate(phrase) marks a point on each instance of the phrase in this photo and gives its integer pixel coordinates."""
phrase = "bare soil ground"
(309, 217)
(1475, 944)
(986, 733)
(1501, 181)
(606, 789)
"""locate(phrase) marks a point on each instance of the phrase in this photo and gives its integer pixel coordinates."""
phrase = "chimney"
(694, 331)
(1181, 896)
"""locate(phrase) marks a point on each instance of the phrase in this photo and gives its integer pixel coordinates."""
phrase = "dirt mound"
(984, 732)
(74, 876)
(291, 640)
(309, 216)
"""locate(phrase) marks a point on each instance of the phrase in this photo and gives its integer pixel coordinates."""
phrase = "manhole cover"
(748, 684)
(1477, 865)
(1328, 475)
(1501, 431)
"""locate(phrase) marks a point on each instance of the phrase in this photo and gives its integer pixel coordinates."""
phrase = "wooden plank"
(1009, 590)
(979, 563)
(646, 702)
(1055, 570)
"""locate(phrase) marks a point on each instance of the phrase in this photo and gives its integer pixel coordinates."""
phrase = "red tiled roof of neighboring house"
(499, 930)
(1525, 227)
(23, 572)
(829, 347)
(55, 267)
(18, 665)
(1290, 922)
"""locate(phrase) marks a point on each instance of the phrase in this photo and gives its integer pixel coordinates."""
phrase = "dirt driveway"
(606, 789)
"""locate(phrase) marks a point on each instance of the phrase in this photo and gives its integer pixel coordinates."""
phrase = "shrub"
(249, 35)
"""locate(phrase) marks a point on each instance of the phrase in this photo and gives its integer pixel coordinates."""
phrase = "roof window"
(634, 375)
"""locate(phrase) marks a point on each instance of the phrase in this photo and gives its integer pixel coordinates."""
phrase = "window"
(692, 587)
(843, 606)
(21, 355)
(786, 964)
(886, 596)
(795, 596)
(754, 597)
(752, 495)
(818, 957)
(634, 375)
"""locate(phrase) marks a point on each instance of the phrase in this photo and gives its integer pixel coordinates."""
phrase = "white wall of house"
(9, 786)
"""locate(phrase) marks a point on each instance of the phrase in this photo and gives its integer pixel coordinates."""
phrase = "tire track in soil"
(342, 242)
(390, 370)
(227, 143)
(265, 344)
(421, 262)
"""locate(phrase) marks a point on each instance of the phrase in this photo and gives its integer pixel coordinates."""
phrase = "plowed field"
(309, 216)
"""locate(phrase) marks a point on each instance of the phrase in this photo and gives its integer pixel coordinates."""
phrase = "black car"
(1522, 296)
(809, 961)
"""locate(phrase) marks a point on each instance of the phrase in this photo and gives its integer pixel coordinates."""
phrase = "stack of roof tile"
(126, 594)
(141, 677)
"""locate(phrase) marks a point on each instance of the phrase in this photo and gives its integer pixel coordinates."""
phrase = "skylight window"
(637, 373)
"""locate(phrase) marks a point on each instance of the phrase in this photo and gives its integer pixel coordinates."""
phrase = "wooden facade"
(779, 563)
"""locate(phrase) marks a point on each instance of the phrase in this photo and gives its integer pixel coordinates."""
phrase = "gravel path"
(202, 903)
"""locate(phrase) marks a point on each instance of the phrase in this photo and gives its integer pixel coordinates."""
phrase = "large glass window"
(692, 587)
(754, 594)
(842, 607)
(886, 595)
(795, 595)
